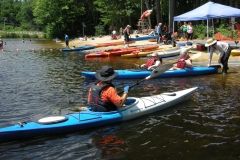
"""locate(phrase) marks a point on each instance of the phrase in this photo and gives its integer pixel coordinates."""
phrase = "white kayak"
(151, 104)
(172, 52)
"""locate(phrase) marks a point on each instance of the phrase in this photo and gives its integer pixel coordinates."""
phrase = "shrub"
(200, 31)
(99, 30)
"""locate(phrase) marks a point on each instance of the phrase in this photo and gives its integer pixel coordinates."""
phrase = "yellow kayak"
(137, 54)
(235, 52)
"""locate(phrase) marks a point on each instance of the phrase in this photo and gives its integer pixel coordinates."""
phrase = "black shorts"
(126, 38)
(67, 43)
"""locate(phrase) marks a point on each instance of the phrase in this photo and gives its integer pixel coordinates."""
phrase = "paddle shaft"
(138, 82)
(156, 72)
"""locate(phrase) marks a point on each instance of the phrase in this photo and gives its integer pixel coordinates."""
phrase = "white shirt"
(222, 47)
(189, 29)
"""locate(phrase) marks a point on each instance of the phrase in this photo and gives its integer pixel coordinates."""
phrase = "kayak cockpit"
(97, 108)
(128, 103)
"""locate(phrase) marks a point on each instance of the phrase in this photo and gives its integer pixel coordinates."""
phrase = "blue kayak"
(94, 116)
(140, 74)
(143, 38)
(80, 48)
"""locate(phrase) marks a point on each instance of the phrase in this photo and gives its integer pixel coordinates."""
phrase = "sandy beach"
(198, 56)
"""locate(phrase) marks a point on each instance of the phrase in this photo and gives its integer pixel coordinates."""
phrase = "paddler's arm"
(123, 97)
(115, 98)
(158, 63)
(123, 100)
(210, 56)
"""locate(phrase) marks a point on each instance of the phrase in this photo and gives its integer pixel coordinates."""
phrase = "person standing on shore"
(66, 40)
(120, 32)
(189, 31)
(126, 33)
(159, 29)
(1, 44)
(224, 49)
(184, 29)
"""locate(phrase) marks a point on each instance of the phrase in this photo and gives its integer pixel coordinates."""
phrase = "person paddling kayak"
(103, 94)
(153, 62)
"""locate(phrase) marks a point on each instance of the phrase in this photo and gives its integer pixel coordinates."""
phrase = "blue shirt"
(66, 37)
(159, 29)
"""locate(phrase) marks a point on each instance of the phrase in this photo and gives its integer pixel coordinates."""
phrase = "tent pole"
(213, 27)
(207, 28)
(173, 26)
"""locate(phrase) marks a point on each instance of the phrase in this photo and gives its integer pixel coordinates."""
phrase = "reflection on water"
(41, 83)
(110, 146)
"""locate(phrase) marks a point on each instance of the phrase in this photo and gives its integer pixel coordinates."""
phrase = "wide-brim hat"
(128, 26)
(107, 73)
(210, 42)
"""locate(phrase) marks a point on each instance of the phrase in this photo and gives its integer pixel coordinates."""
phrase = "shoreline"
(202, 55)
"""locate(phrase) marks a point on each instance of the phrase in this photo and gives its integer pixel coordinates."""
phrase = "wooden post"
(83, 30)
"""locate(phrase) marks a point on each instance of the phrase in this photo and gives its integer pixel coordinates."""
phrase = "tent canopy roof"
(209, 10)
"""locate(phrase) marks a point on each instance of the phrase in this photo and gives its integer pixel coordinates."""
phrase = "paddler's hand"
(149, 67)
(126, 88)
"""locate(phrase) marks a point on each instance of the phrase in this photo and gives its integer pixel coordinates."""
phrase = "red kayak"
(121, 51)
(130, 50)
(106, 53)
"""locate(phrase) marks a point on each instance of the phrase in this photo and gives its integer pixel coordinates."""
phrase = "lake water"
(48, 82)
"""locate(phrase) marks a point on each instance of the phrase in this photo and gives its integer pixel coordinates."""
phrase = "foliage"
(200, 31)
(99, 30)
(60, 16)
(118, 12)
(224, 30)
(235, 35)
(227, 31)
(56, 17)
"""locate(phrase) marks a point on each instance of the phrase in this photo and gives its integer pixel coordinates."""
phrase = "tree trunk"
(158, 11)
(171, 14)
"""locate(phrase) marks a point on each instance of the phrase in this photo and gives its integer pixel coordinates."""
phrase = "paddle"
(156, 72)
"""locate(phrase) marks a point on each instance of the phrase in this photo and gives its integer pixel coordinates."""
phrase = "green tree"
(118, 12)
(25, 15)
(9, 10)
(58, 16)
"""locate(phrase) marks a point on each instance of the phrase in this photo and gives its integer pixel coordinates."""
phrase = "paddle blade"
(156, 72)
